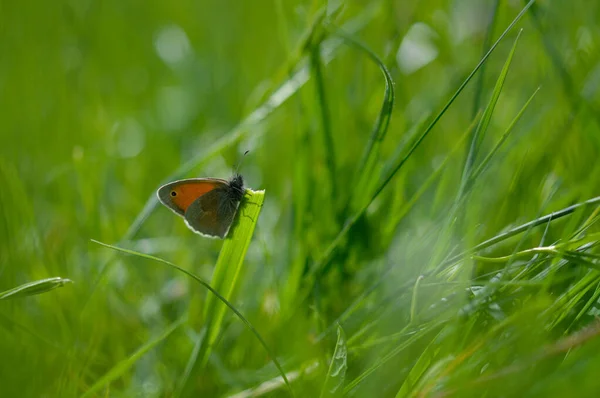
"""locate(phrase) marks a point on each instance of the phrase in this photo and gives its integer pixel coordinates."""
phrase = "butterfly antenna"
(237, 168)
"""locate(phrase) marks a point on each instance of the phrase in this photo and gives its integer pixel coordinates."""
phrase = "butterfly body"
(207, 205)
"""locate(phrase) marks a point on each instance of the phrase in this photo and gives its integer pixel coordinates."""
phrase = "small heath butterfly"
(207, 205)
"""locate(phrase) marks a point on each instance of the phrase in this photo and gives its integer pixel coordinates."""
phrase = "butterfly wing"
(179, 195)
(212, 213)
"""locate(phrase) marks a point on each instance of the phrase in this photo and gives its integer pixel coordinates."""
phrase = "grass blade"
(390, 354)
(316, 62)
(426, 359)
(33, 288)
(228, 267)
(485, 121)
(337, 368)
(453, 218)
(487, 41)
(502, 139)
(371, 152)
(214, 292)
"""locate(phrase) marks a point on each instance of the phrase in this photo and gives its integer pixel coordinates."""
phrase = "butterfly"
(207, 205)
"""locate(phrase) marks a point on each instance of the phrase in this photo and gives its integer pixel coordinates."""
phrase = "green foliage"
(430, 224)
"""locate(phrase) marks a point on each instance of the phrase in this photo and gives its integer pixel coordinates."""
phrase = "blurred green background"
(102, 101)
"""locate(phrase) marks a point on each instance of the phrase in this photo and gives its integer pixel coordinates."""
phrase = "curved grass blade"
(120, 368)
(371, 152)
(216, 293)
(33, 288)
(337, 368)
(227, 270)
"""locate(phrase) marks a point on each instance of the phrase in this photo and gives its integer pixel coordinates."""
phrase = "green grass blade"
(229, 264)
(485, 162)
(33, 288)
(120, 368)
(191, 363)
(226, 274)
(371, 152)
(426, 359)
(391, 353)
(316, 62)
(487, 42)
(454, 215)
(337, 368)
(214, 292)
(485, 121)
(405, 208)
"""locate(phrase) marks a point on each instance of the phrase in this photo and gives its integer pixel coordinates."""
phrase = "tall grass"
(429, 222)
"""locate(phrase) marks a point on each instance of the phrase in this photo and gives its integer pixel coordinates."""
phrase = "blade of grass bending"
(121, 367)
(213, 291)
(322, 263)
(33, 288)
(228, 268)
(337, 368)
(371, 152)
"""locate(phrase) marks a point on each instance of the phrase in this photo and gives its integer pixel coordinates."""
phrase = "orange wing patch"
(187, 192)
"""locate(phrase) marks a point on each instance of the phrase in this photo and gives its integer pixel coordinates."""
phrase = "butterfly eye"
(173, 193)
